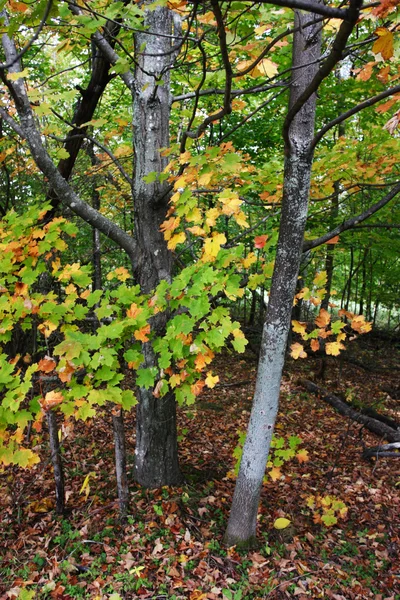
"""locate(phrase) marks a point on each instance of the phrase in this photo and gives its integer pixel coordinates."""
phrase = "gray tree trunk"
(156, 455)
(242, 523)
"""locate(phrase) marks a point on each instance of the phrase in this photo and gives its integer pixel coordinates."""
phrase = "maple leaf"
(297, 351)
(360, 324)
(211, 216)
(241, 219)
(260, 241)
(65, 372)
(384, 44)
(47, 364)
(314, 345)
(169, 226)
(393, 123)
(334, 348)
(212, 246)
(141, 334)
(51, 400)
(299, 327)
(210, 380)
(302, 456)
(275, 473)
(176, 239)
(250, 259)
(197, 387)
(21, 289)
(323, 318)
(134, 311)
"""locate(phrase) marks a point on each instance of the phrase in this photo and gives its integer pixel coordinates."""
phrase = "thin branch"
(353, 222)
(35, 36)
(84, 135)
(319, 9)
(12, 123)
(351, 112)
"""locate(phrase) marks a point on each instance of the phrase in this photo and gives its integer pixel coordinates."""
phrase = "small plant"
(238, 595)
(326, 509)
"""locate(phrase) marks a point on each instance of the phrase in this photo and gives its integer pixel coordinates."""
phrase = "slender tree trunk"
(56, 461)
(241, 528)
(156, 456)
(120, 463)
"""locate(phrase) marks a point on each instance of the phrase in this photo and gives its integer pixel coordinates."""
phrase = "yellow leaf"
(205, 178)
(281, 523)
(299, 327)
(334, 348)
(15, 76)
(212, 246)
(265, 68)
(51, 399)
(178, 238)
(384, 44)
(240, 219)
(250, 259)
(275, 473)
(297, 351)
(211, 216)
(122, 273)
(196, 230)
(85, 489)
(210, 380)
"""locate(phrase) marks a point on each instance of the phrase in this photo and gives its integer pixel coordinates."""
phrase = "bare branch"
(307, 5)
(351, 112)
(35, 36)
(353, 222)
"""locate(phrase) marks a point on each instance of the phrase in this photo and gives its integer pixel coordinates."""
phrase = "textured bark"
(120, 463)
(56, 462)
(242, 523)
(156, 456)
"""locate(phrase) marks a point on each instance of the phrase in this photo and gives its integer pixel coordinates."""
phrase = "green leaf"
(146, 377)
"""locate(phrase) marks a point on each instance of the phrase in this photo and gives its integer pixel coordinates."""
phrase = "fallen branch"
(343, 408)
(388, 450)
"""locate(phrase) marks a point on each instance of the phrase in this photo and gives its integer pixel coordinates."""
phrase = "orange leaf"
(141, 334)
(302, 456)
(323, 318)
(260, 241)
(314, 345)
(133, 311)
(333, 240)
(47, 364)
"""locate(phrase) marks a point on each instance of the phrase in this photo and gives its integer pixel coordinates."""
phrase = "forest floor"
(171, 546)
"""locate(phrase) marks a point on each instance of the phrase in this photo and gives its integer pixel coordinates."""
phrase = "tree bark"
(242, 523)
(56, 461)
(120, 463)
(156, 455)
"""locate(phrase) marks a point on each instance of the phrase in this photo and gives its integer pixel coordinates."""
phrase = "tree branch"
(35, 36)
(46, 165)
(346, 115)
(307, 5)
(351, 223)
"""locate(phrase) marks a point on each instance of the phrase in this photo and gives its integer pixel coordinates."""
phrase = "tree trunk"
(120, 463)
(56, 461)
(156, 456)
(241, 528)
